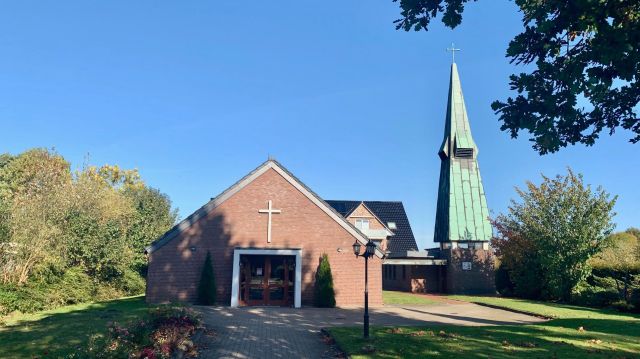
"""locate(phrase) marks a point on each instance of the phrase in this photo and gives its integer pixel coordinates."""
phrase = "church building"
(266, 235)
(267, 232)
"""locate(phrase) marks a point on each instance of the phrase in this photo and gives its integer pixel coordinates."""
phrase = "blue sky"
(196, 94)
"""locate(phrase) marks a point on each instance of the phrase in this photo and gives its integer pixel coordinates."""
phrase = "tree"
(97, 228)
(581, 50)
(557, 226)
(73, 236)
(34, 196)
(325, 296)
(520, 271)
(207, 285)
(620, 257)
(153, 216)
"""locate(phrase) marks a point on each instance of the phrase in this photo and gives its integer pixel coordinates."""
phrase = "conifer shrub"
(207, 285)
(325, 296)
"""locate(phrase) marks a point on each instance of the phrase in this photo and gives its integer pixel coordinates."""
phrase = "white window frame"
(392, 225)
(362, 222)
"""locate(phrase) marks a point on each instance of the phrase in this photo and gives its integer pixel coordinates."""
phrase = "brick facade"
(413, 278)
(174, 268)
(479, 279)
(362, 212)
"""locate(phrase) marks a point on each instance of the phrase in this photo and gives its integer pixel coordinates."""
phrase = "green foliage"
(207, 285)
(71, 287)
(153, 216)
(165, 333)
(619, 264)
(547, 239)
(595, 296)
(131, 282)
(325, 296)
(504, 285)
(70, 237)
(63, 330)
(580, 51)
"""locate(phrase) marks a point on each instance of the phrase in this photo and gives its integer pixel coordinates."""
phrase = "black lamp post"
(369, 251)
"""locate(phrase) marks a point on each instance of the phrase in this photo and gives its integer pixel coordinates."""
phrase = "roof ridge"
(355, 200)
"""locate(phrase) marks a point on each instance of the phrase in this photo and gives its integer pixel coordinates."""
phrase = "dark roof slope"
(403, 239)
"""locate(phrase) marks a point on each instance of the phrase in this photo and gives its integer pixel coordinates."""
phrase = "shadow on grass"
(559, 338)
(60, 331)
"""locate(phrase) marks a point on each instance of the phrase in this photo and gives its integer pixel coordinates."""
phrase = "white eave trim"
(415, 262)
(217, 201)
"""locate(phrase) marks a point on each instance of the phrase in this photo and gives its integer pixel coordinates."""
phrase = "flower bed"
(166, 332)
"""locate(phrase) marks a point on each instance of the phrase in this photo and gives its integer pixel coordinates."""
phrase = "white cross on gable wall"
(269, 211)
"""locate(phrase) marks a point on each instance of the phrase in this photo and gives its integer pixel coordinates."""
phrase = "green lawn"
(58, 332)
(393, 297)
(545, 309)
(604, 334)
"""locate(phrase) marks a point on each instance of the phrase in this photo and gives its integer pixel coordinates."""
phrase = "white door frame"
(235, 279)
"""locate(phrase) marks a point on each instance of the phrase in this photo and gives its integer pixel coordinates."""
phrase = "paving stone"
(272, 332)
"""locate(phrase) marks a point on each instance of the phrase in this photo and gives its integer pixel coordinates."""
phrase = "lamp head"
(356, 248)
(370, 249)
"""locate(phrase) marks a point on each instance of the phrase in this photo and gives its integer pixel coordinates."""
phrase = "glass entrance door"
(267, 280)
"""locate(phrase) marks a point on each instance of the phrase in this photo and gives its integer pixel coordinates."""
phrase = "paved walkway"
(271, 332)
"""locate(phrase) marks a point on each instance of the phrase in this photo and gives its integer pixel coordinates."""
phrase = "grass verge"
(402, 298)
(55, 333)
(577, 332)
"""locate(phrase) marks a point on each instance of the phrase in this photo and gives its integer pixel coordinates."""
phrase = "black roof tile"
(387, 211)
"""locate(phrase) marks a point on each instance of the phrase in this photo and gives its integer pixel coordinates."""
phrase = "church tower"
(462, 219)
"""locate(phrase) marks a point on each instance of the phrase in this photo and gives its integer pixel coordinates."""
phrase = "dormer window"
(391, 225)
(362, 224)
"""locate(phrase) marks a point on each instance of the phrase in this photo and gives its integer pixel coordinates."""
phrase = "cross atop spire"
(453, 50)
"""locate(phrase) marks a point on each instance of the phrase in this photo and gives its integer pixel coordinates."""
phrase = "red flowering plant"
(174, 327)
(165, 331)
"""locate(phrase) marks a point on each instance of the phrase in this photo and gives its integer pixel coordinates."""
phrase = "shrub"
(593, 296)
(131, 282)
(623, 306)
(504, 286)
(74, 286)
(164, 333)
(69, 287)
(634, 299)
(324, 292)
(207, 285)
(22, 299)
(561, 215)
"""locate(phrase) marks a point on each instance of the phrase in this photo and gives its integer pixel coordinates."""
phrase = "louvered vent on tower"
(464, 152)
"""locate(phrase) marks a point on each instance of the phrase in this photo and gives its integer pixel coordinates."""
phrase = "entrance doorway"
(267, 280)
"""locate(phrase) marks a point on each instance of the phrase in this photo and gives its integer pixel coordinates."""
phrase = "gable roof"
(386, 211)
(386, 231)
(244, 181)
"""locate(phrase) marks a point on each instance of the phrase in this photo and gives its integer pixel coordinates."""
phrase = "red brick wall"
(478, 280)
(417, 279)
(174, 269)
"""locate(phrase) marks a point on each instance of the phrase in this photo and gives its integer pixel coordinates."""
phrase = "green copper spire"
(462, 213)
